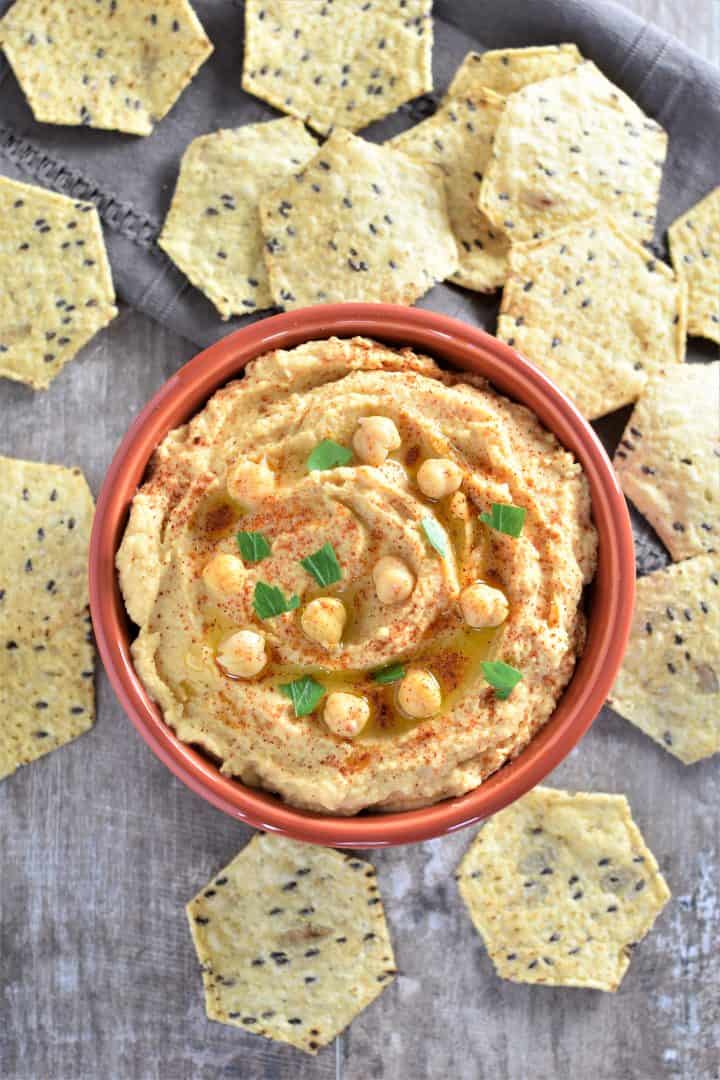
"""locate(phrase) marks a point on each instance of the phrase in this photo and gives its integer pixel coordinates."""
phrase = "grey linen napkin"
(131, 179)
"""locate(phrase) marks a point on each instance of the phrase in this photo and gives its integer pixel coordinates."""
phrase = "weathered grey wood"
(100, 847)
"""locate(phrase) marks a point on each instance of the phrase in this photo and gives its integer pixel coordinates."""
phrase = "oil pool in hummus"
(358, 578)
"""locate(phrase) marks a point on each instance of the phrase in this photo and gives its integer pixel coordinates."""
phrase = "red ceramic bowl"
(459, 346)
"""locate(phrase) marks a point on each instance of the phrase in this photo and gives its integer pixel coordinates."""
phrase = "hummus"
(427, 590)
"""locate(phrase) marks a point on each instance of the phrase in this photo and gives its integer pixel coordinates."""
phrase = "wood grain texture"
(100, 847)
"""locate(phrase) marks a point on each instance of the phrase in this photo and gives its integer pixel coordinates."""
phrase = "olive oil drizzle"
(454, 656)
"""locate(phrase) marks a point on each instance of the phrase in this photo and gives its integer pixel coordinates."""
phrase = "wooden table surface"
(100, 847)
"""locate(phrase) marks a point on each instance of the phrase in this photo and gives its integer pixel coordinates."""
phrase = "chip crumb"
(292, 941)
(560, 887)
(669, 682)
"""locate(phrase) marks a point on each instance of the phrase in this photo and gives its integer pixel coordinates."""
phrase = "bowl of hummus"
(361, 574)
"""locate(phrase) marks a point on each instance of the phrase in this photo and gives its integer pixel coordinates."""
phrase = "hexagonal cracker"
(292, 941)
(669, 683)
(337, 64)
(560, 887)
(212, 230)
(667, 459)
(458, 140)
(57, 288)
(103, 65)
(46, 650)
(507, 70)
(695, 251)
(595, 311)
(360, 222)
(570, 147)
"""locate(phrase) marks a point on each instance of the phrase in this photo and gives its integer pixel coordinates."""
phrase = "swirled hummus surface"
(191, 589)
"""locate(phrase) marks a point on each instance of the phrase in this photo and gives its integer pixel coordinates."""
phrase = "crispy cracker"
(292, 941)
(560, 887)
(57, 290)
(46, 655)
(111, 65)
(212, 231)
(668, 460)
(669, 684)
(508, 70)
(568, 148)
(596, 311)
(695, 251)
(338, 64)
(360, 222)
(458, 139)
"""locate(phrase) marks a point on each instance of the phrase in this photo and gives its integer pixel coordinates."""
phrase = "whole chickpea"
(419, 694)
(374, 438)
(482, 605)
(393, 580)
(438, 477)
(243, 654)
(323, 620)
(346, 714)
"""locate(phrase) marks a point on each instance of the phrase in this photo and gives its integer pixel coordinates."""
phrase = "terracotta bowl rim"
(461, 346)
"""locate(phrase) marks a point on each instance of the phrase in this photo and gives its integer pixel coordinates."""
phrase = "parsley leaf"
(323, 565)
(269, 601)
(389, 674)
(304, 693)
(328, 455)
(254, 546)
(435, 534)
(501, 676)
(506, 518)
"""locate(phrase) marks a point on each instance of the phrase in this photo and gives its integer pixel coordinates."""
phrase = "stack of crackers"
(535, 175)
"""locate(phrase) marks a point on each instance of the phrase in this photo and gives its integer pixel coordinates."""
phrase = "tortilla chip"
(560, 887)
(338, 64)
(695, 251)
(458, 139)
(668, 460)
(669, 684)
(508, 70)
(46, 654)
(212, 231)
(568, 148)
(57, 290)
(360, 222)
(292, 941)
(595, 311)
(116, 66)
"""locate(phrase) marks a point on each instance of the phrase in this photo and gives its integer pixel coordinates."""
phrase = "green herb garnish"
(254, 546)
(501, 676)
(323, 565)
(506, 518)
(269, 601)
(304, 693)
(389, 674)
(435, 534)
(328, 455)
